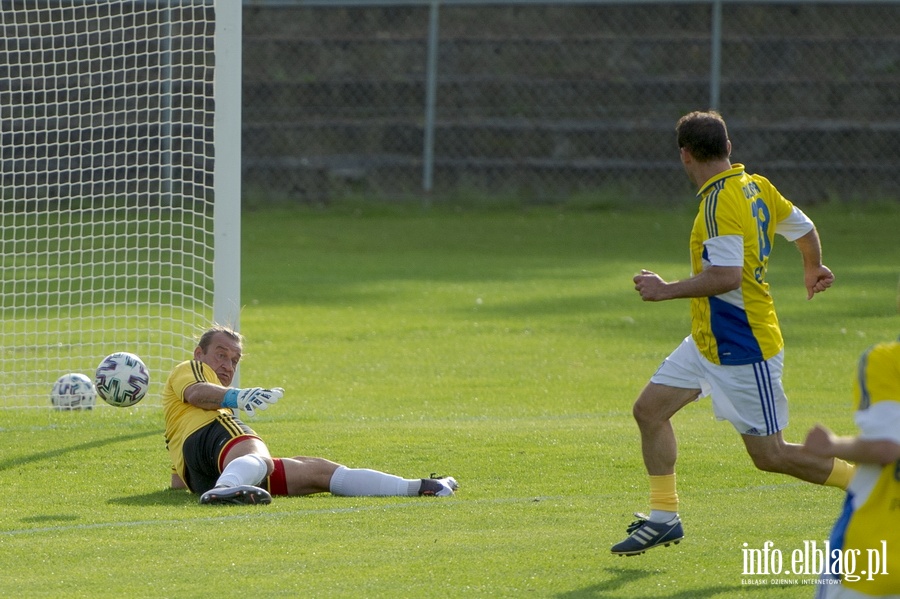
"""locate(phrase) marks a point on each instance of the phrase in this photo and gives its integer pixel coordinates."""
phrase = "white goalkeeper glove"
(252, 399)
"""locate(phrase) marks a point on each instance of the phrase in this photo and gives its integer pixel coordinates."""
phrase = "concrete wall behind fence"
(546, 102)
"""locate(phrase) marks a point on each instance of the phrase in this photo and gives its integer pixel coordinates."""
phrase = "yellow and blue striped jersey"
(871, 516)
(182, 418)
(735, 226)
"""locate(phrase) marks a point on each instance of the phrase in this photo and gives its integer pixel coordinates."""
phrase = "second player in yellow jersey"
(868, 527)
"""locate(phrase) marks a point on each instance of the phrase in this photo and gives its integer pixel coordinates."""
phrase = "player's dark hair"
(704, 135)
(206, 338)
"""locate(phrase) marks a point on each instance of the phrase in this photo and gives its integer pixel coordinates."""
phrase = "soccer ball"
(122, 379)
(73, 391)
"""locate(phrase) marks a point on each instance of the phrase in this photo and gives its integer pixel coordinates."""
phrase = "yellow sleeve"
(189, 373)
(878, 375)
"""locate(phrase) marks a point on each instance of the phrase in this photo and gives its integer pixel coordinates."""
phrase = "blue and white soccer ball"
(122, 379)
(73, 391)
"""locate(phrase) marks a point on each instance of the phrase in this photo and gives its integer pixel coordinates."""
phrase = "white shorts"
(750, 397)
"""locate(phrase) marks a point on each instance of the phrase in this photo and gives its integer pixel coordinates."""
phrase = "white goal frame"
(120, 185)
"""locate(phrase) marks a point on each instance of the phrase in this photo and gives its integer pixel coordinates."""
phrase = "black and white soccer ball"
(73, 391)
(122, 379)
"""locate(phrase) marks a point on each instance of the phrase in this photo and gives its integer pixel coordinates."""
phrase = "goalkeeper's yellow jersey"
(735, 226)
(871, 516)
(182, 418)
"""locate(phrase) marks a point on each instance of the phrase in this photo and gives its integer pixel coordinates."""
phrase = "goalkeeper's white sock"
(245, 470)
(360, 482)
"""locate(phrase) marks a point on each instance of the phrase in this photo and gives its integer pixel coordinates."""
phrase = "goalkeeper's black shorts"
(205, 449)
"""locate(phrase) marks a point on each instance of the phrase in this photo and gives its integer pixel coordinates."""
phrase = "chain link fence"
(557, 101)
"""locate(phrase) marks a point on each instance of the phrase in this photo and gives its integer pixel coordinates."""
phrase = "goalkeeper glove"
(252, 399)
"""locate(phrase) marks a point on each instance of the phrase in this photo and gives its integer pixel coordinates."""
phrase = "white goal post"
(120, 181)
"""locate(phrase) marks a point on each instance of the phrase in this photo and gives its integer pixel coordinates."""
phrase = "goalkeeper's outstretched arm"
(209, 396)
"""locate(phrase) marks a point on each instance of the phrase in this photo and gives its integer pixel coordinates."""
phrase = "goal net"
(108, 164)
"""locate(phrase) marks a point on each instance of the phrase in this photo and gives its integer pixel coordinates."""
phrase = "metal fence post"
(430, 99)
(715, 55)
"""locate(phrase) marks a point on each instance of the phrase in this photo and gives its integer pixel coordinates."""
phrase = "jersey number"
(761, 214)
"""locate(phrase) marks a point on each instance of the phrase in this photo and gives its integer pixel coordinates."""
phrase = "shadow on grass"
(48, 518)
(623, 580)
(161, 497)
(61, 451)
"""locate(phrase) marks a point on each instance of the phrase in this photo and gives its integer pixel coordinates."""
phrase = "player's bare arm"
(714, 280)
(206, 396)
(817, 277)
(821, 441)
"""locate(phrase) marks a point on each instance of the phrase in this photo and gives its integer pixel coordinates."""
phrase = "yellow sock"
(662, 493)
(841, 474)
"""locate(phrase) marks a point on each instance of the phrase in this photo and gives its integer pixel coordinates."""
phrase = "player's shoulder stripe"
(197, 369)
(865, 400)
(712, 203)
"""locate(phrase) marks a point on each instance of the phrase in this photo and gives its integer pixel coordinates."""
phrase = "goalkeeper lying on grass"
(218, 456)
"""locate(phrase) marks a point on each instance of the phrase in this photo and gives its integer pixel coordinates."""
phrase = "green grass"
(504, 348)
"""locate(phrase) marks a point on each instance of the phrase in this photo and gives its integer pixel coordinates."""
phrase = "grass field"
(502, 347)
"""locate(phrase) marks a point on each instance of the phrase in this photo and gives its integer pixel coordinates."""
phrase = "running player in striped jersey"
(735, 350)
(216, 454)
(869, 524)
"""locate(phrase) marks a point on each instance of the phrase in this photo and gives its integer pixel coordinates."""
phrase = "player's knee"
(270, 464)
(263, 463)
(638, 412)
(644, 412)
